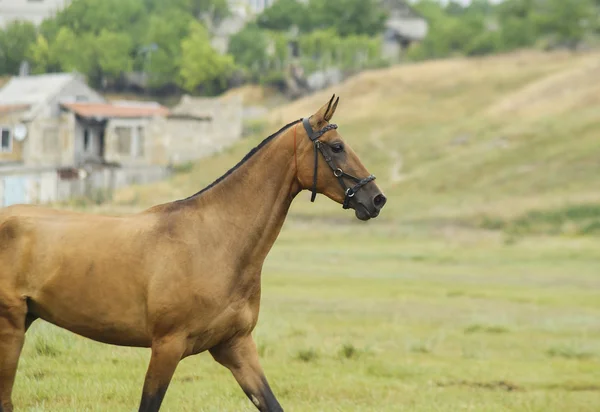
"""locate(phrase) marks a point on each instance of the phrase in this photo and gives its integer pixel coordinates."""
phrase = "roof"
(11, 108)
(117, 110)
(32, 90)
(401, 6)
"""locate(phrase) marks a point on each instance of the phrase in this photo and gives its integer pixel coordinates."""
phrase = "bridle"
(337, 172)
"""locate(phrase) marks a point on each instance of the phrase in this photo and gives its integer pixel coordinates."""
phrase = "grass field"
(478, 288)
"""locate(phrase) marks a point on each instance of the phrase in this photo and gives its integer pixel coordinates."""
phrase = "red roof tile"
(11, 108)
(116, 111)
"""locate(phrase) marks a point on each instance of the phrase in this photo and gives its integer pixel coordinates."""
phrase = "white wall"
(31, 10)
(133, 157)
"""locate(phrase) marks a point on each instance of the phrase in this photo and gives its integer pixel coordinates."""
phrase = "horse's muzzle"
(371, 209)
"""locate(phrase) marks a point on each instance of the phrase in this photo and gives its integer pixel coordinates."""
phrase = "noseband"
(337, 172)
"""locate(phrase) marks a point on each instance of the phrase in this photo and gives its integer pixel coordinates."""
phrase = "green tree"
(93, 16)
(113, 53)
(39, 55)
(249, 47)
(70, 52)
(457, 29)
(197, 8)
(15, 41)
(348, 17)
(517, 26)
(284, 14)
(201, 65)
(566, 20)
(162, 62)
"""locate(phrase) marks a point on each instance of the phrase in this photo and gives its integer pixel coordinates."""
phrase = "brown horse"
(180, 278)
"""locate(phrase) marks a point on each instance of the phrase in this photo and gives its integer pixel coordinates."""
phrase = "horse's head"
(327, 165)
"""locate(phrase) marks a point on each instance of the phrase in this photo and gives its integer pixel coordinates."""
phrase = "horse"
(179, 278)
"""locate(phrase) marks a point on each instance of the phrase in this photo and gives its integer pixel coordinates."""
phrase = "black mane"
(245, 159)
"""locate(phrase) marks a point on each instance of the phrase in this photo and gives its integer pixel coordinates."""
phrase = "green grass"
(372, 317)
(579, 219)
(477, 288)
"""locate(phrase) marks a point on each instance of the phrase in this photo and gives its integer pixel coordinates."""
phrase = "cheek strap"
(349, 192)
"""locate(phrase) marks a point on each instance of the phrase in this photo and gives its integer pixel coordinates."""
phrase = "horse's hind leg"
(241, 358)
(12, 336)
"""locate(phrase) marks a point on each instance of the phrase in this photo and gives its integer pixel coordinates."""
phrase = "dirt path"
(396, 175)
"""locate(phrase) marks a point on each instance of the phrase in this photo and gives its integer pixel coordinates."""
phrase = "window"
(86, 139)
(139, 147)
(6, 140)
(123, 140)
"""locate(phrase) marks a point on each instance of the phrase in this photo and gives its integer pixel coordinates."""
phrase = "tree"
(284, 14)
(15, 41)
(348, 17)
(197, 8)
(458, 29)
(163, 64)
(517, 26)
(200, 63)
(93, 16)
(39, 55)
(249, 47)
(70, 52)
(113, 53)
(566, 20)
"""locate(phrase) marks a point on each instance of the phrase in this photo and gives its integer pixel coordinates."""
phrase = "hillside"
(462, 140)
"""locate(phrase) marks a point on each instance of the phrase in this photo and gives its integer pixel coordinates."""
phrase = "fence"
(21, 185)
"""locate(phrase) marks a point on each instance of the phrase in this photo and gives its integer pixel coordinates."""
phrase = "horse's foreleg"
(241, 358)
(12, 336)
(166, 354)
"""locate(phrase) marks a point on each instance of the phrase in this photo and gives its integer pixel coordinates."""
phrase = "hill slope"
(455, 139)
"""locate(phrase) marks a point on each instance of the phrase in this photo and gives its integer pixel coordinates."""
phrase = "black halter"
(337, 172)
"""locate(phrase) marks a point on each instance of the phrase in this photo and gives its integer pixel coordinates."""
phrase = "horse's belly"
(102, 312)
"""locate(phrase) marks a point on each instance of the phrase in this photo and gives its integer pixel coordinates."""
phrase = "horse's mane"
(245, 159)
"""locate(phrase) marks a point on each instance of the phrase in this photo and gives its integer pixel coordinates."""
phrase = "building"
(60, 138)
(198, 127)
(403, 27)
(34, 11)
(34, 132)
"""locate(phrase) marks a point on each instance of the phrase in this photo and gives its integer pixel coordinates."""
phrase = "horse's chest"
(233, 319)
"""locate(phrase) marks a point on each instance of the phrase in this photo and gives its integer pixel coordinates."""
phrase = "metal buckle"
(338, 172)
(349, 193)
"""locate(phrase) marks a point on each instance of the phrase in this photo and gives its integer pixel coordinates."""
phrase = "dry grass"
(453, 140)
(252, 94)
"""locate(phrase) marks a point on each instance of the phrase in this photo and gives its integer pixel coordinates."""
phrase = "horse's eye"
(337, 148)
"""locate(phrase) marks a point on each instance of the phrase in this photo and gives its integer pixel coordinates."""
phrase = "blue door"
(14, 190)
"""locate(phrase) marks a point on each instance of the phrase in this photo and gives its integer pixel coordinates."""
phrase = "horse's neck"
(251, 204)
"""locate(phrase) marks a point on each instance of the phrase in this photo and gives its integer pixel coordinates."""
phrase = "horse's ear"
(331, 111)
(324, 114)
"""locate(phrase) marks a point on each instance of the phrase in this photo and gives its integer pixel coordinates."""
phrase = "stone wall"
(197, 128)
(24, 185)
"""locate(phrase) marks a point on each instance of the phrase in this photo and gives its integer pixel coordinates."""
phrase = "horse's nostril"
(379, 201)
